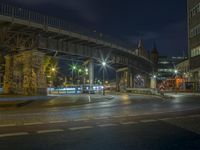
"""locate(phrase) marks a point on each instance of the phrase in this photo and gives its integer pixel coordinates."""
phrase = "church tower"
(154, 56)
(141, 51)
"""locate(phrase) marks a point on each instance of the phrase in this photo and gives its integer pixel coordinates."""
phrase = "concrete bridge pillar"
(117, 82)
(91, 71)
(153, 83)
(24, 74)
(131, 80)
(124, 79)
(147, 81)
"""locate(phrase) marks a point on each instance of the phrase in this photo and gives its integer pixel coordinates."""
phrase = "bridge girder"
(19, 35)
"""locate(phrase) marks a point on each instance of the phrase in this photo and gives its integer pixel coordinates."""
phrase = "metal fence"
(25, 14)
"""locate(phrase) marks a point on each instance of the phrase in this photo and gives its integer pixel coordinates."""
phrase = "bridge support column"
(147, 81)
(24, 74)
(124, 79)
(91, 72)
(153, 83)
(131, 80)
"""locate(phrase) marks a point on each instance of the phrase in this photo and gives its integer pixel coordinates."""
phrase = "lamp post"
(176, 88)
(104, 65)
(52, 70)
(73, 69)
(79, 71)
(84, 79)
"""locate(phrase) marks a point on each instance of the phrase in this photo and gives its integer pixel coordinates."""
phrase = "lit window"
(195, 10)
(195, 31)
(195, 51)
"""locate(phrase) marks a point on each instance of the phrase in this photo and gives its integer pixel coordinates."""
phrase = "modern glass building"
(167, 67)
(194, 39)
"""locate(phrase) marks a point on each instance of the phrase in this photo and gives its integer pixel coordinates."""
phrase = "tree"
(49, 64)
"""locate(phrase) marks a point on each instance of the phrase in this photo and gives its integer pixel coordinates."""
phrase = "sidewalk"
(181, 94)
(51, 101)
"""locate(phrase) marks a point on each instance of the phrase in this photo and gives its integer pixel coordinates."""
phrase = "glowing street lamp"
(176, 71)
(73, 69)
(52, 70)
(79, 71)
(104, 65)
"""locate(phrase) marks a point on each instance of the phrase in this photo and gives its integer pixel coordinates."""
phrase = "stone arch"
(139, 81)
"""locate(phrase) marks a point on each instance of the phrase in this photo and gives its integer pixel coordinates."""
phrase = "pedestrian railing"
(25, 14)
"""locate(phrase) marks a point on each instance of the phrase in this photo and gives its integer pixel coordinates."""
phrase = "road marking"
(118, 116)
(101, 118)
(80, 128)
(7, 125)
(13, 134)
(165, 119)
(181, 117)
(49, 131)
(146, 121)
(132, 115)
(107, 125)
(128, 123)
(193, 116)
(58, 121)
(32, 123)
(81, 119)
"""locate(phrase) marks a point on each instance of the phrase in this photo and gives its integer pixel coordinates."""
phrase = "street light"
(79, 71)
(52, 70)
(73, 69)
(84, 79)
(176, 89)
(104, 65)
(176, 71)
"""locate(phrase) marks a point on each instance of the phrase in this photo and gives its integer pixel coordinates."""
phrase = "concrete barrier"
(146, 91)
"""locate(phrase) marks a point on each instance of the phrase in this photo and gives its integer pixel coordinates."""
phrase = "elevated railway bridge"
(28, 36)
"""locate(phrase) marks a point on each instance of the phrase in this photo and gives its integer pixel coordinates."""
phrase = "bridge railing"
(25, 14)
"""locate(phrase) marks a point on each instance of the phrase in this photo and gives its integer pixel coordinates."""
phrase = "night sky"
(160, 21)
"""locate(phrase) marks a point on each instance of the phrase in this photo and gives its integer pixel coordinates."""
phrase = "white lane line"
(7, 125)
(81, 119)
(146, 121)
(32, 123)
(107, 125)
(13, 134)
(163, 119)
(181, 117)
(50, 131)
(58, 121)
(118, 116)
(128, 123)
(80, 128)
(101, 118)
(192, 116)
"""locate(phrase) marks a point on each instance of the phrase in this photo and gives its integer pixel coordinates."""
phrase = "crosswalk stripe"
(49, 131)
(80, 128)
(128, 123)
(13, 134)
(107, 125)
(7, 125)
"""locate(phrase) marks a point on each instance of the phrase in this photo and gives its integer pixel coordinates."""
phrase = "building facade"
(167, 67)
(194, 39)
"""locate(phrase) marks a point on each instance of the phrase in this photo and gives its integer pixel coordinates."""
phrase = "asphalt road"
(123, 123)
